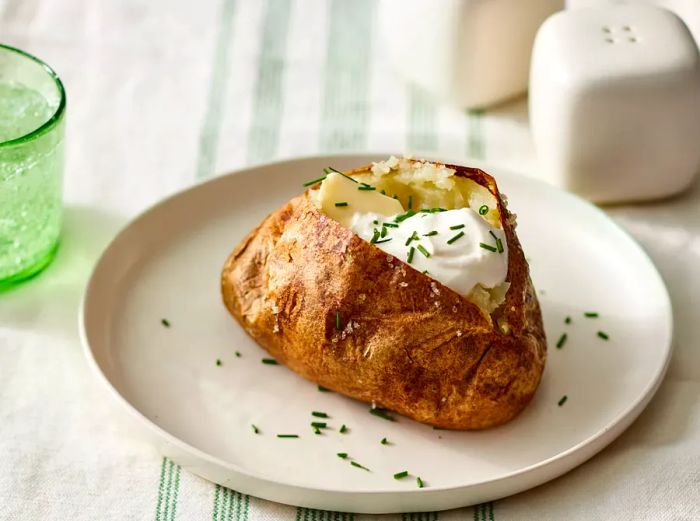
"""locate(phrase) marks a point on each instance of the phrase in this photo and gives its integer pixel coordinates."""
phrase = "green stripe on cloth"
(475, 135)
(345, 107)
(209, 135)
(168, 488)
(484, 512)
(268, 99)
(422, 121)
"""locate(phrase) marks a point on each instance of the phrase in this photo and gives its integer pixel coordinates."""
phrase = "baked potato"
(341, 312)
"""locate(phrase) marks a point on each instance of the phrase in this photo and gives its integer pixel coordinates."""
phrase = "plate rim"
(595, 443)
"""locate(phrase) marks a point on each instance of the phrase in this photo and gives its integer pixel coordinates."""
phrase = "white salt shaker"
(473, 53)
(615, 102)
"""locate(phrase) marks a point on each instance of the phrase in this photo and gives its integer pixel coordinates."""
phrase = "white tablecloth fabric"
(163, 93)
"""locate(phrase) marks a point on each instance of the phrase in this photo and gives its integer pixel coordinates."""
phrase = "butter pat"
(338, 189)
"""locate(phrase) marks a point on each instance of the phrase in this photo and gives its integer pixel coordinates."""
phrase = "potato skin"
(413, 345)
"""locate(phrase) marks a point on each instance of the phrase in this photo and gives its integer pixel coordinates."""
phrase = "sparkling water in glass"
(32, 108)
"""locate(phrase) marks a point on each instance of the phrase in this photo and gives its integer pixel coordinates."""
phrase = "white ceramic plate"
(166, 264)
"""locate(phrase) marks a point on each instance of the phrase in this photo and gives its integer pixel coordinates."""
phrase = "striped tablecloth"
(163, 93)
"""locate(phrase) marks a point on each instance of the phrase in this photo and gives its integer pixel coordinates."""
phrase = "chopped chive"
(356, 464)
(562, 341)
(317, 431)
(413, 237)
(314, 181)
(343, 429)
(384, 441)
(562, 401)
(375, 222)
(395, 197)
(270, 361)
(338, 318)
(375, 236)
(591, 314)
(423, 251)
(165, 322)
(483, 210)
(255, 429)
(366, 187)
(488, 247)
(603, 335)
(342, 455)
(319, 414)
(383, 232)
(430, 234)
(457, 227)
(419, 482)
(567, 320)
(401, 475)
(238, 354)
(456, 237)
(390, 225)
(402, 217)
(409, 259)
(499, 245)
(383, 240)
(319, 425)
(287, 435)
(382, 413)
(410, 202)
(218, 362)
(322, 389)
(435, 210)
(330, 169)
(341, 203)
(382, 191)
(425, 272)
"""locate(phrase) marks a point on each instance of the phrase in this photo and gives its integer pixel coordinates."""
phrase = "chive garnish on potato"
(562, 401)
(603, 335)
(341, 203)
(319, 425)
(382, 413)
(322, 389)
(383, 240)
(338, 319)
(402, 217)
(375, 236)
(319, 414)
(384, 441)
(419, 482)
(456, 237)
(488, 247)
(411, 252)
(330, 169)
(413, 237)
(270, 361)
(342, 455)
(401, 475)
(383, 233)
(390, 225)
(410, 202)
(483, 209)
(423, 251)
(287, 435)
(165, 322)
(218, 362)
(238, 354)
(457, 227)
(366, 187)
(430, 234)
(591, 314)
(314, 181)
(567, 320)
(343, 429)
(255, 429)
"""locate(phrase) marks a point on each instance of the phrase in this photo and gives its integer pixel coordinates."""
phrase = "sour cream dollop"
(465, 251)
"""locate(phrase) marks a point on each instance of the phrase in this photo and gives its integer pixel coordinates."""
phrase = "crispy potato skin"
(417, 348)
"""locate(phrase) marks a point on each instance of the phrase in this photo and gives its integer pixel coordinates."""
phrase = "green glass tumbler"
(32, 120)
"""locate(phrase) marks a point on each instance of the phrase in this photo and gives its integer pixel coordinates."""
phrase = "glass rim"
(58, 113)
